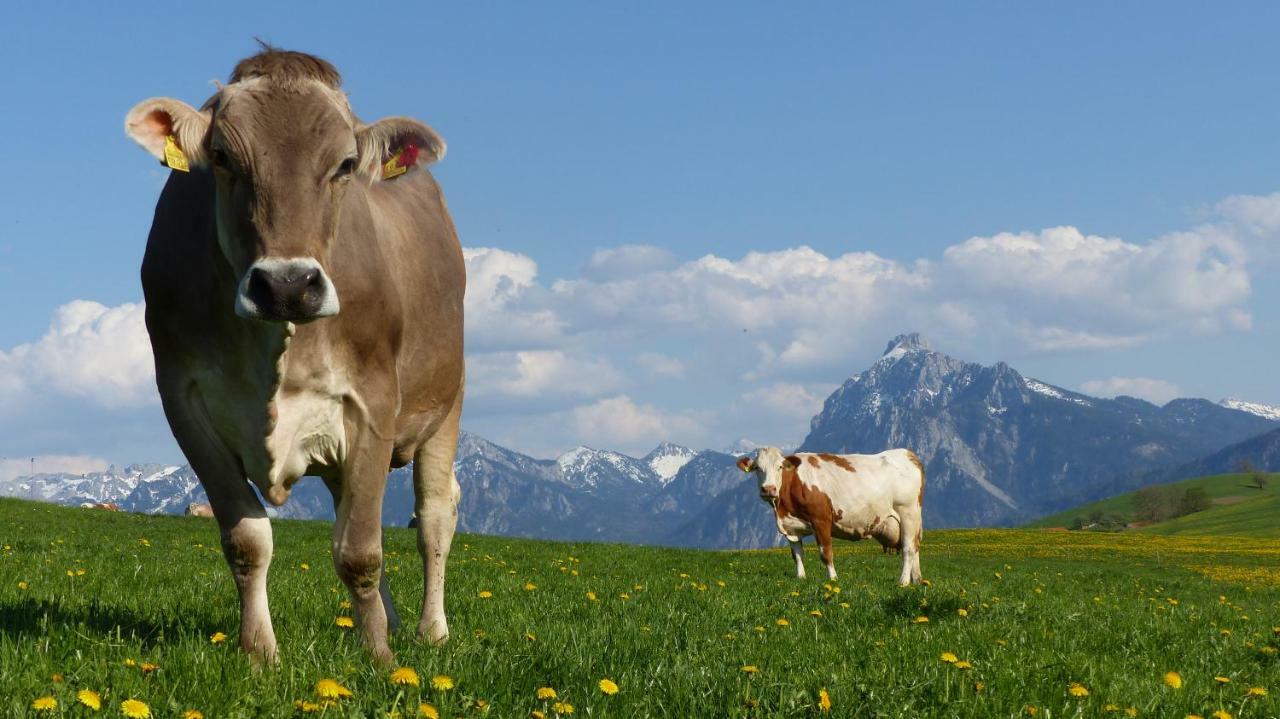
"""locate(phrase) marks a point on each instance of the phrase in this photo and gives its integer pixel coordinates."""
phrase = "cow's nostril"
(311, 278)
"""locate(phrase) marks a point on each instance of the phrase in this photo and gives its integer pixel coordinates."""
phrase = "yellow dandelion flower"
(782, 622)
(135, 709)
(844, 604)
(405, 675)
(442, 682)
(1031, 710)
(129, 662)
(1257, 692)
(1222, 714)
(44, 704)
(331, 689)
(428, 712)
(980, 687)
(1077, 690)
(193, 714)
(1225, 632)
(824, 701)
(591, 596)
(750, 669)
(530, 636)
(948, 657)
(217, 638)
(1173, 679)
(624, 596)
(480, 705)
(23, 586)
(307, 707)
(148, 667)
(1222, 680)
(562, 708)
(1194, 716)
(1133, 712)
(57, 678)
(485, 594)
(535, 714)
(962, 664)
(530, 586)
(816, 613)
(344, 604)
(345, 622)
(922, 619)
(962, 612)
(547, 693)
(305, 567)
(89, 698)
(608, 687)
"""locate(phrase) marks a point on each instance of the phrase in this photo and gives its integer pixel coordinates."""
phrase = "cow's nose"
(286, 290)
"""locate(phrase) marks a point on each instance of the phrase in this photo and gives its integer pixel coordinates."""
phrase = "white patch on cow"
(309, 431)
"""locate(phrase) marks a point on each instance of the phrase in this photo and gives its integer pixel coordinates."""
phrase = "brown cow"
(199, 509)
(846, 496)
(304, 289)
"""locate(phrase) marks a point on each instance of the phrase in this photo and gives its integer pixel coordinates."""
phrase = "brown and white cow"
(304, 288)
(847, 496)
(199, 509)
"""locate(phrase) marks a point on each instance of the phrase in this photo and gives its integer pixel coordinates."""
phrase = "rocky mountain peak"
(906, 342)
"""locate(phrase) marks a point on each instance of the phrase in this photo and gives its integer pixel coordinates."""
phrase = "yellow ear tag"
(173, 155)
(393, 168)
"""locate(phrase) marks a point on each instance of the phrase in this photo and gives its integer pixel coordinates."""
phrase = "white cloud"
(660, 365)
(621, 424)
(1156, 391)
(502, 302)
(50, 464)
(627, 261)
(539, 373)
(90, 351)
(786, 399)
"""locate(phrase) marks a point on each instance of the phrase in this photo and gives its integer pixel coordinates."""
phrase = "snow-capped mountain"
(666, 460)
(1264, 411)
(130, 487)
(1002, 448)
(598, 470)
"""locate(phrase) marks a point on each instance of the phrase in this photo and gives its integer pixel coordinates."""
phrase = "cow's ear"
(171, 130)
(746, 464)
(791, 461)
(392, 146)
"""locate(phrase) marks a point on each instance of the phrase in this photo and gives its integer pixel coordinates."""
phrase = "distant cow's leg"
(357, 540)
(436, 491)
(823, 534)
(797, 553)
(909, 546)
(245, 529)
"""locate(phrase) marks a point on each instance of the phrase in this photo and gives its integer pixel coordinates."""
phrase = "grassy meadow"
(1014, 623)
(1239, 509)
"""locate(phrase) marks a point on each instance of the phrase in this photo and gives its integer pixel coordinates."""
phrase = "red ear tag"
(408, 155)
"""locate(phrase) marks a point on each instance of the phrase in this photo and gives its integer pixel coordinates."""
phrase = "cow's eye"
(346, 168)
(220, 158)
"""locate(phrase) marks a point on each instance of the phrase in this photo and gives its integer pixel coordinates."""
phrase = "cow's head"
(768, 466)
(283, 147)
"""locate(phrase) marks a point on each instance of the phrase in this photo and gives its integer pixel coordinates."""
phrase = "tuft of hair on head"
(287, 66)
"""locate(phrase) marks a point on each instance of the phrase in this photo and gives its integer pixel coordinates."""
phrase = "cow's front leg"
(797, 553)
(246, 544)
(357, 542)
(436, 495)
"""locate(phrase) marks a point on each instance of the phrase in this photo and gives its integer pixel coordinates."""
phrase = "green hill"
(1239, 509)
(125, 606)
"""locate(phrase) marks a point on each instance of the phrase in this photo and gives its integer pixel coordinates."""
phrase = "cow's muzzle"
(296, 290)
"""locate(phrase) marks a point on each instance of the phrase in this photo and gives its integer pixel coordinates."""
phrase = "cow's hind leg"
(357, 540)
(437, 493)
(242, 521)
(797, 553)
(912, 527)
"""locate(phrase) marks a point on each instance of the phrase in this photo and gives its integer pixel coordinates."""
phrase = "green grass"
(1257, 515)
(1044, 610)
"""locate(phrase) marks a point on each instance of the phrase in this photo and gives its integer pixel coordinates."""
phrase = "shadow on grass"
(905, 603)
(40, 618)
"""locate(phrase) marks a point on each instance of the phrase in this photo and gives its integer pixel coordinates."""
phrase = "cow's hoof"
(434, 633)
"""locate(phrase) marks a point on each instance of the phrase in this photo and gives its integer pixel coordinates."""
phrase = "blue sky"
(888, 136)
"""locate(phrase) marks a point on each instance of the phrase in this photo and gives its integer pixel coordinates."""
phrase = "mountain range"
(999, 448)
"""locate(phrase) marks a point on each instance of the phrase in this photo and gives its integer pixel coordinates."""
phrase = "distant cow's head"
(768, 466)
(283, 145)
